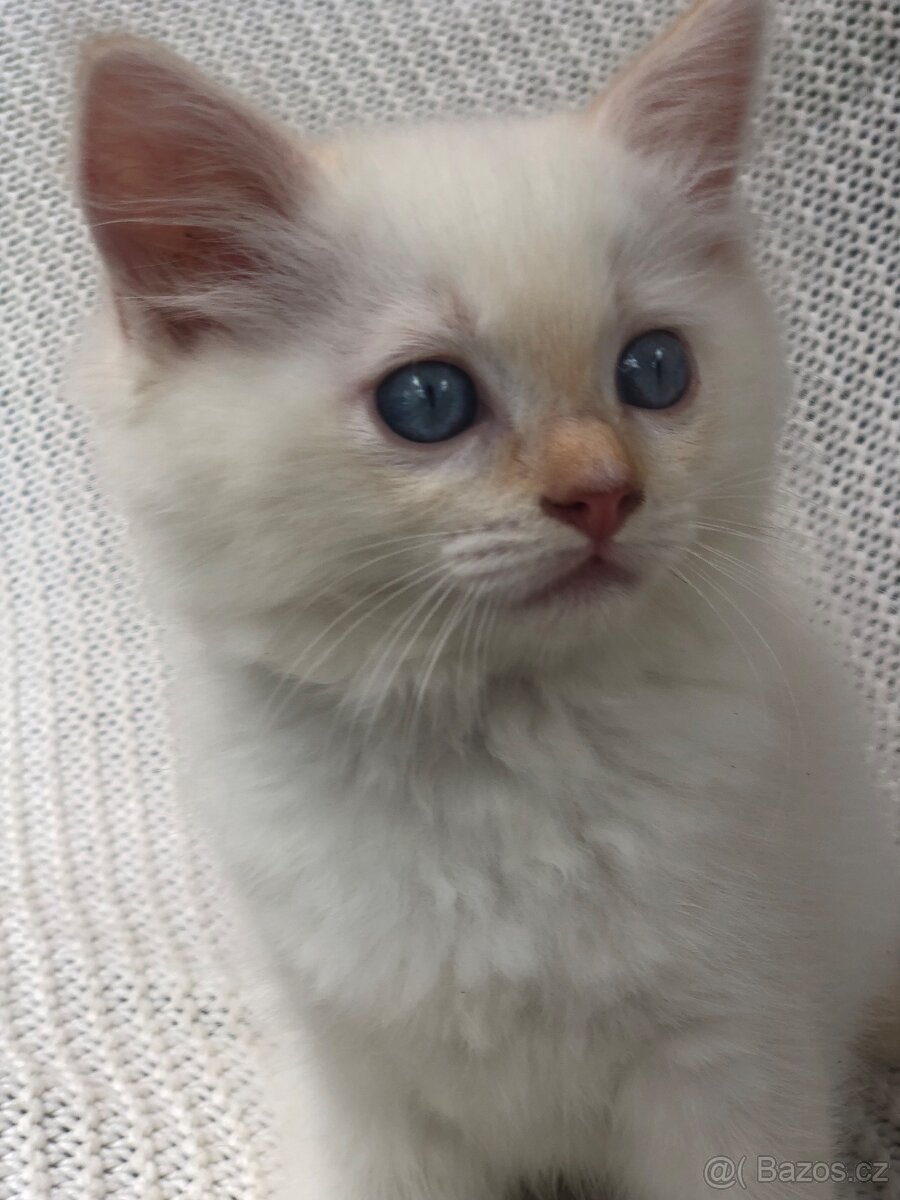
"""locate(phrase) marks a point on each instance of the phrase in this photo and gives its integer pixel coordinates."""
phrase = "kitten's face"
(333, 506)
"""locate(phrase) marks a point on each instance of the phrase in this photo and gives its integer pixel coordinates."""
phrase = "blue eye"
(427, 401)
(653, 370)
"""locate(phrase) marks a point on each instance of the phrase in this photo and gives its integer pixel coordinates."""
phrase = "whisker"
(440, 642)
(390, 640)
(415, 577)
(758, 592)
(416, 706)
(733, 633)
(482, 639)
(371, 562)
(786, 681)
(765, 539)
(463, 647)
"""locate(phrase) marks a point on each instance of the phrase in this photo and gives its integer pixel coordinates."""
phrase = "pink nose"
(597, 514)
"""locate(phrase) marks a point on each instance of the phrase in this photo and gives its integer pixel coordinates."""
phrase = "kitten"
(450, 449)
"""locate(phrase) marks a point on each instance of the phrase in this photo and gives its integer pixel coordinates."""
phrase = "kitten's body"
(530, 938)
(553, 882)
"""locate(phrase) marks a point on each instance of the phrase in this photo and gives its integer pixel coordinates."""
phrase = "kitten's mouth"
(582, 583)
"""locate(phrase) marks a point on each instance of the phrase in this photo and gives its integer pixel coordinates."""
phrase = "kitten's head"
(430, 394)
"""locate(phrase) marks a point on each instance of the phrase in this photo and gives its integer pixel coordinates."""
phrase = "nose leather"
(597, 514)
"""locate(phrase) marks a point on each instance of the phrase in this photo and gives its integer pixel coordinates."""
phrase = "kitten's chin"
(591, 580)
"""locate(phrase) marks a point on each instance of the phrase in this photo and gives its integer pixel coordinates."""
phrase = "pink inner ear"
(180, 184)
(688, 97)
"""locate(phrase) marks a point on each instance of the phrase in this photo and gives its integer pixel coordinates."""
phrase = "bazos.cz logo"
(722, 1173)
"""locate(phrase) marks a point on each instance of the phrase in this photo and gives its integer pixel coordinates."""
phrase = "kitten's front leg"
(347, 1137)
(354, 1163)
(690, 1127)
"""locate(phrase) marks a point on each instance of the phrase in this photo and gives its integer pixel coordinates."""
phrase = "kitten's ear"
(193, 199)
(689, 96)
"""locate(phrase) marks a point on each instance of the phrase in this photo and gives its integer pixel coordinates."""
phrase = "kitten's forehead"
(492, 205)
(523, 226)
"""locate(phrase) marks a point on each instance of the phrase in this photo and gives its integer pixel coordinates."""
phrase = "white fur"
(598, 890)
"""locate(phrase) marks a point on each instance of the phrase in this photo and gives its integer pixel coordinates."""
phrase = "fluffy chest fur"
(582, 832)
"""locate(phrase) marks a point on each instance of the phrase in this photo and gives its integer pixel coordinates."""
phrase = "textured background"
(126, 1059)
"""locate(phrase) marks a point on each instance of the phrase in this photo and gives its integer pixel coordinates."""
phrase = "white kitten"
(550, 817)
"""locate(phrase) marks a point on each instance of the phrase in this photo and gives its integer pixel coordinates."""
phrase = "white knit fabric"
(126, 1056)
